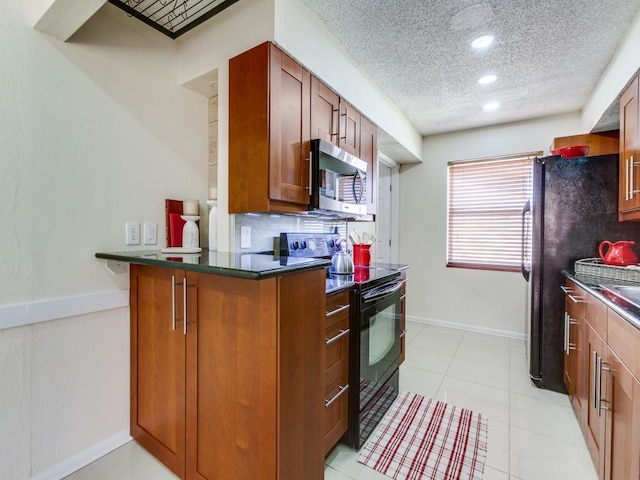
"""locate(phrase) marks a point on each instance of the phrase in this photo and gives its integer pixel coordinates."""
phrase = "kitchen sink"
(627, 292)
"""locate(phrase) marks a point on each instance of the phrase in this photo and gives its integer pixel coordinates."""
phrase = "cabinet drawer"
(576, 299)
(335, 421)
(624, 340)
(337, 309)
(597, 316)
(337, 356)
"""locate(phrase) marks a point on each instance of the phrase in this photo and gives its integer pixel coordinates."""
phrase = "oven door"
(379, 334)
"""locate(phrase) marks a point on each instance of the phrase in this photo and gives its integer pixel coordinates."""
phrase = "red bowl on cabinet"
(571, 152)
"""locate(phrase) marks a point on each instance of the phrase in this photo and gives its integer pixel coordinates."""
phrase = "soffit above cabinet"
(173, 17)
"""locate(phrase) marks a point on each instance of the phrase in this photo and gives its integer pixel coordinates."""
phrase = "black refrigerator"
(574, 207)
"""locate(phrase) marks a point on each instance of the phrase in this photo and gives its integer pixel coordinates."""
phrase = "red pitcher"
(618, 254)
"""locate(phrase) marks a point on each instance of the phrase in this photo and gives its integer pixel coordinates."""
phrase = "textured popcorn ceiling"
(548, 54)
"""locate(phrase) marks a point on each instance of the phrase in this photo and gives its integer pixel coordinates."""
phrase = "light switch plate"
(150, 233)
(245, 237)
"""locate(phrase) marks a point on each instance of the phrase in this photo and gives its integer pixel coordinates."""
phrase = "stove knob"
(303, 244)
(296, 245)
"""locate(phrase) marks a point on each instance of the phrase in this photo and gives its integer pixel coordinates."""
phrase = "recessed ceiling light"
(489, 107)
(482, 41)
(487, 79)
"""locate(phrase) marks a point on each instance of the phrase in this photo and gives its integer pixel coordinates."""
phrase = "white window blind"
(484, 205)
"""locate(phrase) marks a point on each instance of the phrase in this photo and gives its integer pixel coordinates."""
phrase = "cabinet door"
(158, 363)
(621, 407)
(325, 110)
(629, 198)
(231, 385)
(594, 424)
(290, 129)
(369, 153)
(575, 356)
(349, 138)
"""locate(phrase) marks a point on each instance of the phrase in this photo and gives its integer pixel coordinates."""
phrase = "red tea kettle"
(619, 253)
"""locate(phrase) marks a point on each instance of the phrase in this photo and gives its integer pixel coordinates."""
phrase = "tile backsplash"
(265, 228)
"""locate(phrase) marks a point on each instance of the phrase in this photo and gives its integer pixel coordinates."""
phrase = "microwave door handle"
(357, 175)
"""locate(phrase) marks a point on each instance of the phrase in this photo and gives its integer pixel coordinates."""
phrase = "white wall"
(477, 299)
(95, 132)
(623, 66)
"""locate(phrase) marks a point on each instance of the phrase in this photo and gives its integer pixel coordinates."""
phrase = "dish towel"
(425, 439)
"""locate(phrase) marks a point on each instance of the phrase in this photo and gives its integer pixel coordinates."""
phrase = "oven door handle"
(382, 291)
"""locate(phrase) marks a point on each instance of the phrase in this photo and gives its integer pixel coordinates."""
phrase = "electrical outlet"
(132, 232)
(245, 237)
(150, 233)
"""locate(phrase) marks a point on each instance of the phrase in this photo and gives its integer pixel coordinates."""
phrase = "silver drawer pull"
(338, 310)
(327, 403)
(335, 338)
(568, 291)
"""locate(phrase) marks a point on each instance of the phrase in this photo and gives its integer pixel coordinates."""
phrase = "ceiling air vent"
(173, 17)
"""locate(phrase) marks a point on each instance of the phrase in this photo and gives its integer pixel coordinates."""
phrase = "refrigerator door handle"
(525, 209)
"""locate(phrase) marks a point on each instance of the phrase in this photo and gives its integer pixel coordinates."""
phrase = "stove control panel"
(309, 244)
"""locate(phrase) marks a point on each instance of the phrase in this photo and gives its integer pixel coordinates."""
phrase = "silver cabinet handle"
(310, 172)
(566, 333)
(631, 182)
(576, 299)
(594, 376)
(403, 333)
(599, 385)
(568, 291)
(337, 310)
(327, 403)
(337, 337)
(184, 306)
(601, 402)
(173, 302)
(626, 180)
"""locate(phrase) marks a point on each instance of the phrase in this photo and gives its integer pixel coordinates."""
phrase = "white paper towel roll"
(213, 225)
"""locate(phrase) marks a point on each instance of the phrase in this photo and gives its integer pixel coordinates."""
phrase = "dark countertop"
(375, 272)
(255, 266)
(592, 284)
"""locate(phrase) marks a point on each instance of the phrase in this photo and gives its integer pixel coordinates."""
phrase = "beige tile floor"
(533, 434)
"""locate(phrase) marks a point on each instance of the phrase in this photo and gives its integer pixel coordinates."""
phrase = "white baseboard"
(28, 313)
(84, 458)
(467, 327)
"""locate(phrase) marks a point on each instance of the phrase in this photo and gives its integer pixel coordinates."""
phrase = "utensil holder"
(361, 255)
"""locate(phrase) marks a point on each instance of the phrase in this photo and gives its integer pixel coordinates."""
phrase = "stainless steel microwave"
(338, 180)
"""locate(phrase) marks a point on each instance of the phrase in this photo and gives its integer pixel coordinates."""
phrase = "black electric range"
(325, 245)
(374, 326)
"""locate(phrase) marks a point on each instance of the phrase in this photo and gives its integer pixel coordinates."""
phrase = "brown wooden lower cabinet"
(226, 373)
(336, 369)
(609, 352)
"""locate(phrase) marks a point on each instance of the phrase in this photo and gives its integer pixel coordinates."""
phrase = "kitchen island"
(227, 363)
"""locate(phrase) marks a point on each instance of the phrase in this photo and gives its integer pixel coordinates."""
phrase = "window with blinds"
(485, 211)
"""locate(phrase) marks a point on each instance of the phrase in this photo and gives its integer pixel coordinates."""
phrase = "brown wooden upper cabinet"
(369, 153)
(275, 108)
(629, 198)
(337, 122)
(325, 112)
(269, 132)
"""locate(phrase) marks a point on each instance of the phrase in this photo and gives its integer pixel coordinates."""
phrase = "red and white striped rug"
(424, 439)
